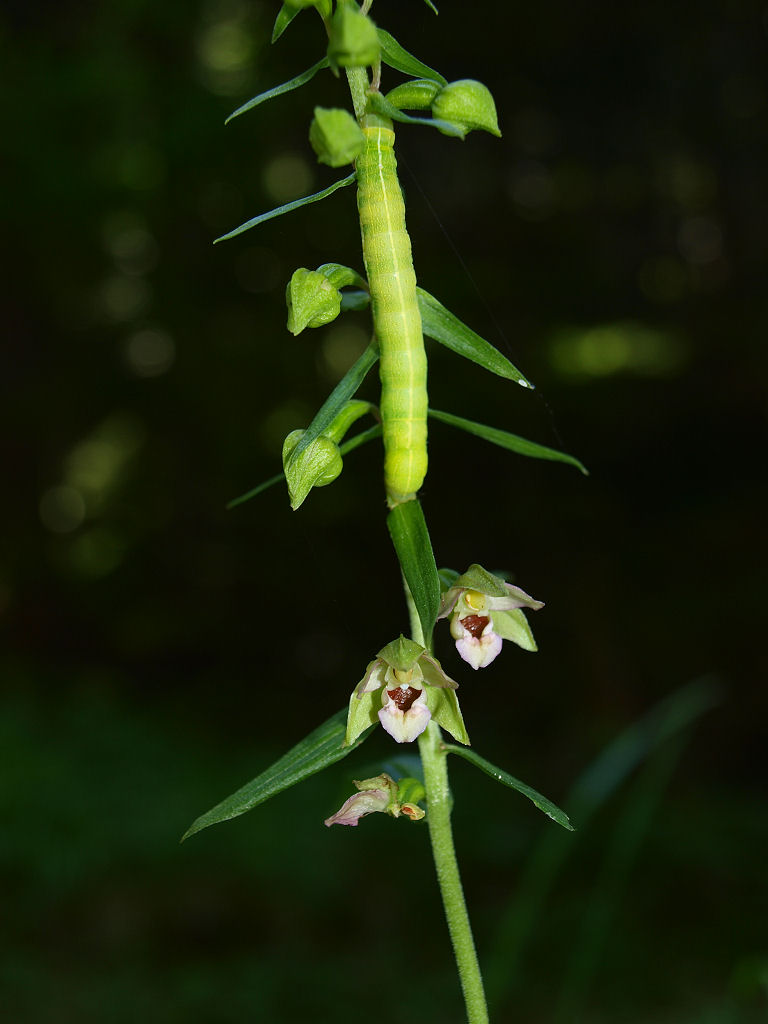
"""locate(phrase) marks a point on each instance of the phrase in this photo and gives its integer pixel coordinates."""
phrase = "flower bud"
(468, 105)
(335, 137)
(353, 42)
(315, 466)
(417, 94)
(311, 299)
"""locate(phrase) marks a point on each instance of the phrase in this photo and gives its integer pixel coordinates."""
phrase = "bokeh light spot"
(288, 176)
(150, 353)
(609, 349)
(62, 509)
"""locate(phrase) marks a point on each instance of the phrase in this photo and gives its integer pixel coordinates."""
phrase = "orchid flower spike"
(484, 611)
(405, 687)
(381, 793)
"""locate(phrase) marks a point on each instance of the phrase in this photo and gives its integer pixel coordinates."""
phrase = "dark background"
(158, 651)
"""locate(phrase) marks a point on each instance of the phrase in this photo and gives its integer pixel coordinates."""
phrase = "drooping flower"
(485, 611)
(405, 687)
(381, 793)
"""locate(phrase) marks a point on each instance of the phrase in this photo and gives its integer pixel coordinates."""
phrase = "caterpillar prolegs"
(397, 321)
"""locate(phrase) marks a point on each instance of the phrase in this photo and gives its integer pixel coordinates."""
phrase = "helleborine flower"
(381, 793)
(485, 611)
(405, 687)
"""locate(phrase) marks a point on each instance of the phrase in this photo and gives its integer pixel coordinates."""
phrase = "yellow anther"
(403, 677)
(474, 599)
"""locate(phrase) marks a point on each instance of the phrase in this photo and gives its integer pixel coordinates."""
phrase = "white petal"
(479, 652)
(405, 726)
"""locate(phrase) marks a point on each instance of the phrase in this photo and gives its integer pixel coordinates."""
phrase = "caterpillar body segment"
(397, 321)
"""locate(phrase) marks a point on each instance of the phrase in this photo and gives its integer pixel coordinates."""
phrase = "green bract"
(335, 136)
(468, 104)
(353, 42)
(311, 299)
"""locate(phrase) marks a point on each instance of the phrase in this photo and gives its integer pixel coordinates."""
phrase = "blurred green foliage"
(159, 651)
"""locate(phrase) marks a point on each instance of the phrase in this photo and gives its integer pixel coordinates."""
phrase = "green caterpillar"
(397, 321)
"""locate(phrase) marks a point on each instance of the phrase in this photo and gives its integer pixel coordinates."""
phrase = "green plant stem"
(434, 761)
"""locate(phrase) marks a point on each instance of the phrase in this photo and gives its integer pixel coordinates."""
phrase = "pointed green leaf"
(348, 446)
(440, 324)
(397, 57)
(278, 90)
(340, 395)
(380, 105)
(550, 809)
(511, 442)
(321, 748)
(410, 537)
(280, 210)
(431, 6)
(285, 16)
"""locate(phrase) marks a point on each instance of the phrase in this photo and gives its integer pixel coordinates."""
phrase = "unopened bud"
(417, 94)
(335, 136)
(315, 466)
(468, 105)
(353, 42)
(311, 299)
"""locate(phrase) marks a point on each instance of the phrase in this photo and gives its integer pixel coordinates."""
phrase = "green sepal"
(396, 56)
(469, 105)
(317, 465)
(318, 750)
(478, 578)
(414, 95)
(335, 136)
(362, 714)
(287, 208)
(441, 325)
(312, 300)
(341, 276)
(410, 536)
(353, 41)
(402, 654)
(354, 442)
(278, 90)
(378, 104)
(511, 442)
(550, 809)
(444, 705)
(340, 395)
(511, 624)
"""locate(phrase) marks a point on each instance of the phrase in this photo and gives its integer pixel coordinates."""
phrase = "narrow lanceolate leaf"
(414, 551)
(396, 56)
(285, 16)
(339, 397)
(278, 90)
(321, 748)
(441, 325)
(379, 105)
(511, 442)
(280, 210)
(431, 6)
(354, 442)
(550, 809)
